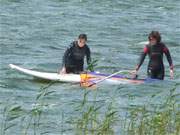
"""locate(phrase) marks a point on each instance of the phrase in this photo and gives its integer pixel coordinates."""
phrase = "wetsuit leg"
(160, 74)
(156, 74)
(75, 69)
(78, 69)
(70, 70)
(151, 73)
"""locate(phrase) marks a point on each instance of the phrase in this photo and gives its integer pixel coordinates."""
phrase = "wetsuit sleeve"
(88, 56)
(168, 56)
(142, 57)
(67, 52)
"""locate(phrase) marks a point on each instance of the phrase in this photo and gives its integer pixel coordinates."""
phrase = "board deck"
(48, 76)
(89, 77)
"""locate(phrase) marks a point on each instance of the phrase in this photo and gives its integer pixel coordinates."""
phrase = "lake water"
(35, 33)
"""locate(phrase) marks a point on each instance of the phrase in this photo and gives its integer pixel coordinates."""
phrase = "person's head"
(82, 39)
(154, 37)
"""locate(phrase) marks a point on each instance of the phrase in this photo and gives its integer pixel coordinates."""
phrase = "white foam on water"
(143, 42)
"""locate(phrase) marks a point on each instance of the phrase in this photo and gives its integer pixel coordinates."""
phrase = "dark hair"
(156, 35)
(83, 36)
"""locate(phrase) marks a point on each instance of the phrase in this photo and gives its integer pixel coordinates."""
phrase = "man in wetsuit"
(155, 49)
(73, 59)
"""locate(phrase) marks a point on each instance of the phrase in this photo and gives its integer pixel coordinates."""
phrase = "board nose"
(11, 66)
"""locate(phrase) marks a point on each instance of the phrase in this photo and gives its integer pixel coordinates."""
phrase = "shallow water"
(35, 34)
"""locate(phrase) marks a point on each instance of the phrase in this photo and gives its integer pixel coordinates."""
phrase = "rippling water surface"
(35, 34)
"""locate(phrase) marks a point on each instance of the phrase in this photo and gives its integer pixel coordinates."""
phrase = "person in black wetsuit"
(73, 59)
(155, 49)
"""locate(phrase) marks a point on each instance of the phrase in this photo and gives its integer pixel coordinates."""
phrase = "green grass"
(92, 65)
(92, 121)
(162, 119)
(92, 118)
(16, 116)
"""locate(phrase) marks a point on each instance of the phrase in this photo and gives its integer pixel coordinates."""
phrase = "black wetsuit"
(155, 68)
(73, 59)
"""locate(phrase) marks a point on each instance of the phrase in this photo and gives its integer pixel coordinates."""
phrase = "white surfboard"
(48, 76)
(77, 78)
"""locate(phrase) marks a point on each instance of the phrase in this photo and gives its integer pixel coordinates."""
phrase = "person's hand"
(63, 71)
(134, 73)
(172, 73)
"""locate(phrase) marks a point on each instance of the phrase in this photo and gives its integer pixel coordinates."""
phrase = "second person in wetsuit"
(73, 59)
(155, 49)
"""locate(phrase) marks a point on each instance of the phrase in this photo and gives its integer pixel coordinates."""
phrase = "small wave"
(143, 42)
